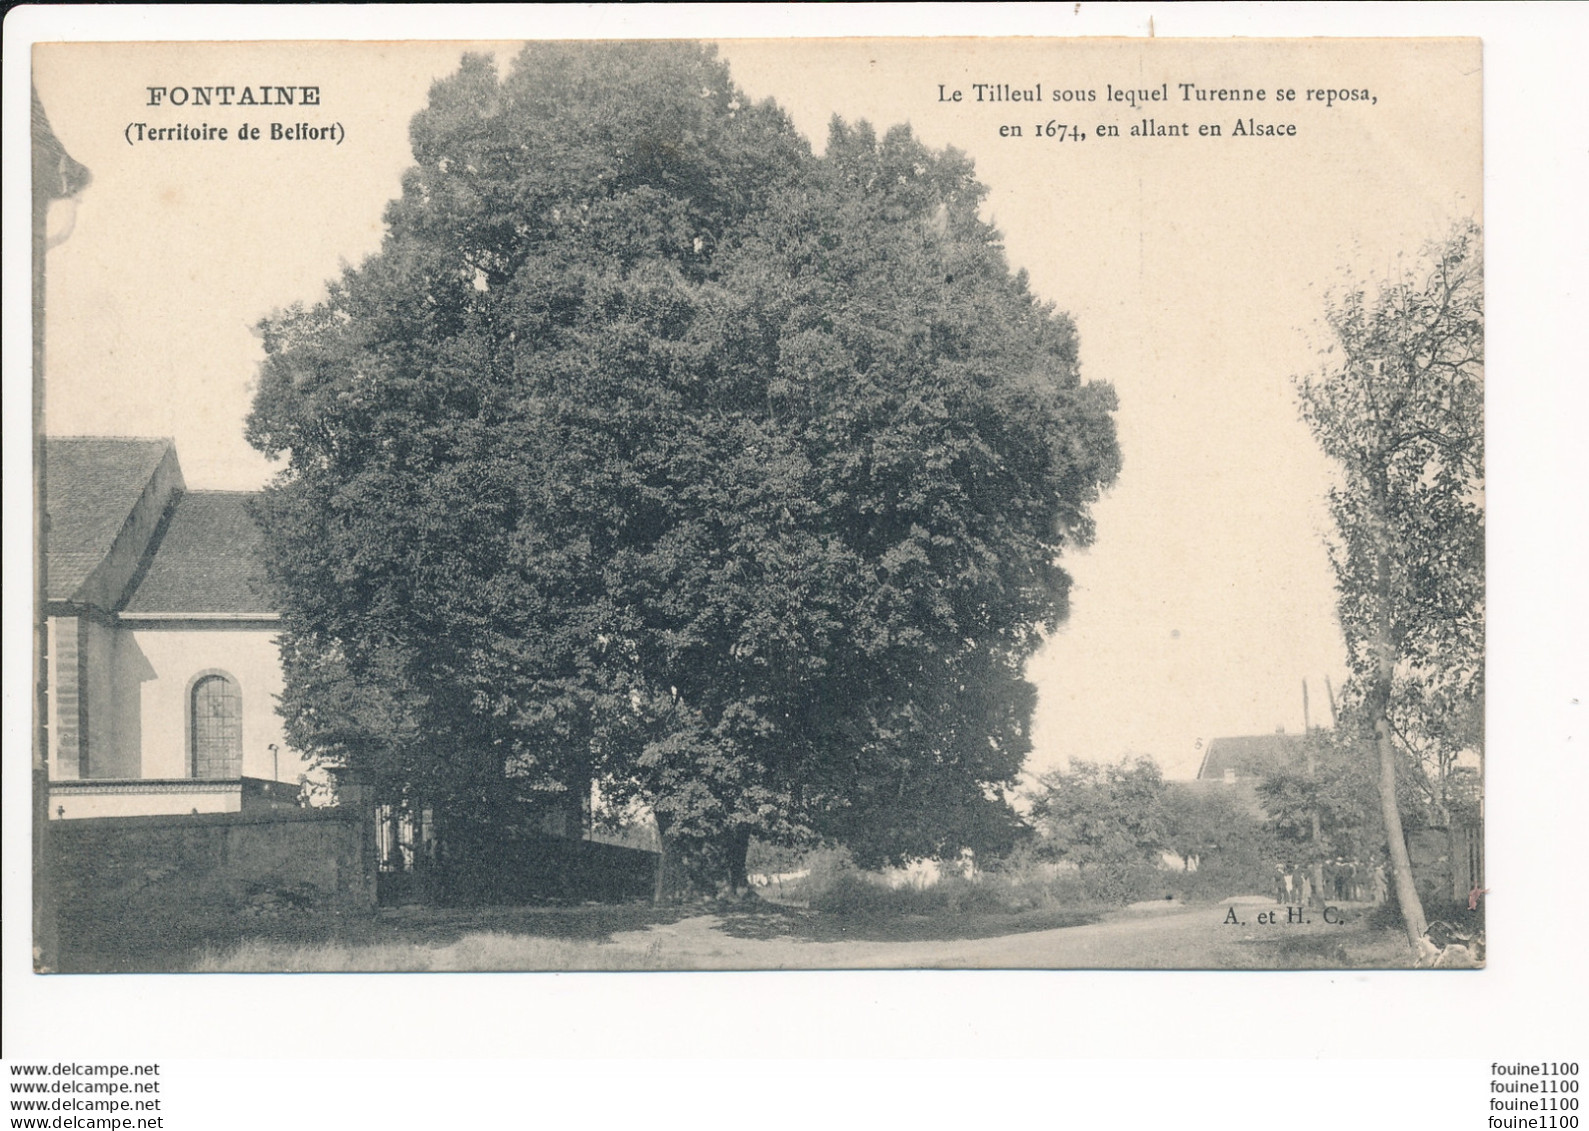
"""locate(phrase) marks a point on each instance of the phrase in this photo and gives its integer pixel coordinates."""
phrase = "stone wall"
(146, 885)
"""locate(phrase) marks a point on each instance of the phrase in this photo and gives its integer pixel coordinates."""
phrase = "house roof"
(208, 559)
(1251, 755)
(94, 483)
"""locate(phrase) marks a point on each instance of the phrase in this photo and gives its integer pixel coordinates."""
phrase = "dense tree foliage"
(1399, 407)
(1102, 814)
(1226, 844)
(1202, 825)
(1328, 807)
(653, 450)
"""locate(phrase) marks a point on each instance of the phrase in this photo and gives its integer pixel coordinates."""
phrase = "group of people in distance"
(1346, 881)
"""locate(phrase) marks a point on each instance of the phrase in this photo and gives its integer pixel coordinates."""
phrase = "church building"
(163, 668)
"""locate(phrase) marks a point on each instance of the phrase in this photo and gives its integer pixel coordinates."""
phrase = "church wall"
(66, 707)
(107, 753)
(130, 672)
(174, 656)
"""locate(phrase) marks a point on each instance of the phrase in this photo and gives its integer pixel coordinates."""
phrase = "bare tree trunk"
(1318, 837)
(738, 851)
(1384, 678)
(659, 894)
(660, 890)
(1396, 839)
(1400, 862)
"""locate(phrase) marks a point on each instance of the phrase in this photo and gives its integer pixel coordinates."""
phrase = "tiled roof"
(93, 484)
(1251, 755)
(210, 559)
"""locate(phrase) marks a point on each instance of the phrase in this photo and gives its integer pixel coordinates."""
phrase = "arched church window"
(216, 728)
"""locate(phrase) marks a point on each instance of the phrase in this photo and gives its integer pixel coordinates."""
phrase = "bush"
(856, 894)
(823, 867)
(1045, 893)
(1033, 884)
(1387, 916)
(975, 897)
(1016, 884)
(1219, 876)
(848, 893)
(1026, 885)
(1124, 882)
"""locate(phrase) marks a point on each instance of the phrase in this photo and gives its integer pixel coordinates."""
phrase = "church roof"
(1251, 755)
(94, 484)
(209, 559)
(127, 537)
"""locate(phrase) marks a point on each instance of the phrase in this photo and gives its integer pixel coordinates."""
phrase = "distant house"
(163, 666)
(1250, 757)
(1237, 764)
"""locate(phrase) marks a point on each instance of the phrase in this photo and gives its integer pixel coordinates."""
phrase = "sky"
(1195, 269)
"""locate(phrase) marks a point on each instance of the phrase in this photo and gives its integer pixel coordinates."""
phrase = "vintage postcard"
(759, 504)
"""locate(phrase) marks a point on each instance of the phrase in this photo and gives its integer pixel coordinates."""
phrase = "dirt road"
(1153, 936)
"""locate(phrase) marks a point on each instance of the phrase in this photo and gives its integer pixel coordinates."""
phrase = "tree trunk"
(660, 891)
(1400, 862)
(1396, 840)
(738, 846)
(1384, 677)
(659, 894)
(1313, 817)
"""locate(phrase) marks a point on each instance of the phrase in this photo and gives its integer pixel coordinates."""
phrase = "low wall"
(87, 798)
(159, 883)
(531, 869)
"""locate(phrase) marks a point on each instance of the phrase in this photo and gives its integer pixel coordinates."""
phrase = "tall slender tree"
(1399, 407)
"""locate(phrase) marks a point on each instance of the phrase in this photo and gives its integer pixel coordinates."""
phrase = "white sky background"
(1195, 271)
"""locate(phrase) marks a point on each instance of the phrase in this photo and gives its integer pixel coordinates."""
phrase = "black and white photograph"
(659, 505)
(861, 565)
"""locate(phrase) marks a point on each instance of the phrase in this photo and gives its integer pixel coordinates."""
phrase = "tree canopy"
(1210, 825)
(653, 450)
(1400, 408)
(1107, 814)
(1325, 809)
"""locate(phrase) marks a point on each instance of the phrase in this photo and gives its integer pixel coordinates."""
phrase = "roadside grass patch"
(393, 939)
(1357, 945)
(481, 951)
